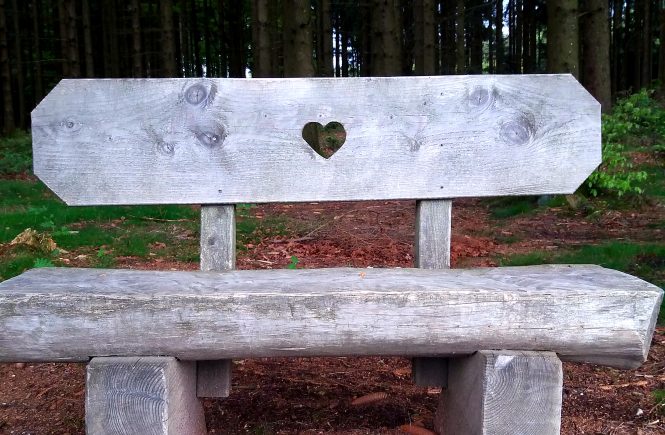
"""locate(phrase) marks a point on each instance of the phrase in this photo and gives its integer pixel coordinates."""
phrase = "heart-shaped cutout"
(324, 140)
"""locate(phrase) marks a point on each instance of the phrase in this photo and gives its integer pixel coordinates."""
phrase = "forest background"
(612, 47)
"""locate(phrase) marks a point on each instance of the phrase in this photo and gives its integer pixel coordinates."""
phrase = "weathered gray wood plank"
(218, 253)
(218, 237)
(123, 141)
(433, 240)
(433, 234)
(502, 393)
(580, 312)
(142, 395)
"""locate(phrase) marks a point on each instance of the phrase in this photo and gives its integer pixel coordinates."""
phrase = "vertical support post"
(433, 235)
(142, 395)
(502, 392)
(218, 252)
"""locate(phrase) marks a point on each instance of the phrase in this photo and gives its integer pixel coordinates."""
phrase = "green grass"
(16, 156)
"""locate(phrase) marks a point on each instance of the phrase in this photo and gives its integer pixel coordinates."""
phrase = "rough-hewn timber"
(580, 312)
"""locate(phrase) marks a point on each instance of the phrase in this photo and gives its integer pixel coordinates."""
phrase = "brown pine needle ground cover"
(322, 395)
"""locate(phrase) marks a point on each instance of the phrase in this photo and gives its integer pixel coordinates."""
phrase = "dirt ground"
(372, 395)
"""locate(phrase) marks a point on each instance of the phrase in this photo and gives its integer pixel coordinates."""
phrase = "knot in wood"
(480, 98)
(196, 94)
(518, 131)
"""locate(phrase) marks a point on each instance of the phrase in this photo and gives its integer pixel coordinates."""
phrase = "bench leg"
(429, 372)
(214, 378)
(502, 392)
(142, 395)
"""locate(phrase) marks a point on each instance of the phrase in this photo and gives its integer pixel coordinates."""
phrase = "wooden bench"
(493, 337)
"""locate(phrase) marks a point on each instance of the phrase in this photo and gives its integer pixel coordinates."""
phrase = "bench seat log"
(583, 313)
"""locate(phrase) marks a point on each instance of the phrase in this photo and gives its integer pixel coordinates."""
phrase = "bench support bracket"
(502, 392)
(146, 395)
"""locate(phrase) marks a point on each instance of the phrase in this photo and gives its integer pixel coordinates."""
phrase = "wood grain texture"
(218, 253)
(142, 395)
(432, 245)
(202, 141)
(581, 312)
(218, 237)
(502, 393)
(433, 234)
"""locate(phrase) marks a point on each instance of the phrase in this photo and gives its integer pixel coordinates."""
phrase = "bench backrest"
(224, 141)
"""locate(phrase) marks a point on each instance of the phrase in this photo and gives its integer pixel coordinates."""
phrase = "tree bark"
(498, 38)
(110, 34)
(137, 61)
(18, 70)
(62, 33)
(661, 51)
(87, 39)
(277, 41)
(298, 39)
(562, 37)
(460, 54)
(595, 36)
(260, 39)
(324, 40)
(37, 51)
(8, 124)
(616, 60)
(168, 41)
(646, 45)
(423, 11)
(529, 36)
(72, 40)
(476, 38)
(236, 39)
(448, 38)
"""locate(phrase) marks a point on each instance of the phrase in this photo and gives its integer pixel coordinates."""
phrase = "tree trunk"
(277, 41)
(8, 124)
(37, 51)
(210, 64)
(344, 36)
(18, 70)
(223, 55)
(137, 61)
(448, 38)
(460, 54)
(236, 39)
(110, 34)
(498, 38)
(529, 36)
(595, 37)
(62, 33)
(661, 51)
(297, 39)
(423, 11)
(72, 40)
(87, 39)
(168, 40)
(260, 39)
(616, 60)
(324, 40)
(562, 34)
(476, 38)
(646, 45)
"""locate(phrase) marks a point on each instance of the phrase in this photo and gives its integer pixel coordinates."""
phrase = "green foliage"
(637, 120)
(294, 262)
(659, 398)
(42, 262)
(104, 259)
(16, 155)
